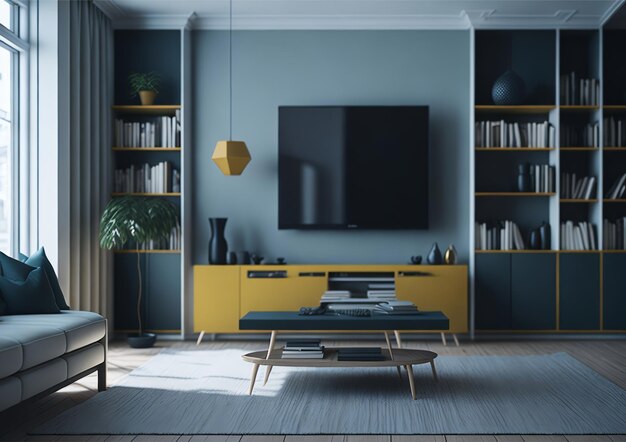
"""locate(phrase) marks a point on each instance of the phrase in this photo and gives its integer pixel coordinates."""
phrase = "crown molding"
(561, 19)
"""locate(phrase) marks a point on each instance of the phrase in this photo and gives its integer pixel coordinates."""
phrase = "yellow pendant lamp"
(230, 156)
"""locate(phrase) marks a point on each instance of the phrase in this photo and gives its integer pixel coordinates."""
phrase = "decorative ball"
(508, 89)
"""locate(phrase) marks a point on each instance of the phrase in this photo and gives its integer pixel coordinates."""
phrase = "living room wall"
(273, 68)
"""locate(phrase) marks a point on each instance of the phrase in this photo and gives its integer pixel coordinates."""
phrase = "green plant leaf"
(144, 81)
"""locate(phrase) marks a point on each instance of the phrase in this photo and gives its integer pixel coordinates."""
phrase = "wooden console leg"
(255, 370)
(443, 339)
(391, 352)
(268, 369)
(200, 338)
(398, 338)
(456, 340)
(432, 365)
(409, 369)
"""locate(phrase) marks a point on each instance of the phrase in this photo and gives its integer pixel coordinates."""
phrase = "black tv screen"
(353, 167)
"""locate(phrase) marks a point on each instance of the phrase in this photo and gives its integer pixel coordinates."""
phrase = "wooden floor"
(606, 357)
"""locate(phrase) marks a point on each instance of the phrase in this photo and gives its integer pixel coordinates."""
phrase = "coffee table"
(292, 321)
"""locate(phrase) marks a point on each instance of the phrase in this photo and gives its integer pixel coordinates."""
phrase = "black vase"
(231, 258)
(546, 236)
(535, 240)
(523, 178)
(218, 247)
(434, 256)
(509, 88)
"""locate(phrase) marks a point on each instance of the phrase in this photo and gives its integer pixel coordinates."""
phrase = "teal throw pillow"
(39, 259)
(32, 296)
(14, 269)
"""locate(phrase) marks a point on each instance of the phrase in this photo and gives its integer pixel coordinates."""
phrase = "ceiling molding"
(612, 10)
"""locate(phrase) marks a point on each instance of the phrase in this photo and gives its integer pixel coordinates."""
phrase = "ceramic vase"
(218, 247)
(450, 255)
(508, 89)
(523, 178)
(535, 240)
(545, 236)
(434, 256)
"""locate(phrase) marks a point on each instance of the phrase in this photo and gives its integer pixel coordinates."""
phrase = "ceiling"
(359, 14)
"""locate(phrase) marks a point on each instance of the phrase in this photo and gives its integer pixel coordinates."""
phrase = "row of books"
(395, 308)
(303, 349)
(579, 91)
(505, 134)
(579, 235)
(618, 189)
(581, 136)
(503, 235)
(542, 178)
(160, 178)
(360, 354)
(614, 235)
(160, 132)
(573, 187)
(614, 135)
(171, 243)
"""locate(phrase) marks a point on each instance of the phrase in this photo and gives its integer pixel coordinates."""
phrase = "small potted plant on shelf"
(136, 220)
(146, 85)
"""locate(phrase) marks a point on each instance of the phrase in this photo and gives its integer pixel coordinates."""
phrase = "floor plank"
(469, 438)
(253, 438)
(225, 438)
(588, 438)
(537, 438)
(509, 438)
(417, 438)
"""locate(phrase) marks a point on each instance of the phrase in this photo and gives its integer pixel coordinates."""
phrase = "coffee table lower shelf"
(396, 358)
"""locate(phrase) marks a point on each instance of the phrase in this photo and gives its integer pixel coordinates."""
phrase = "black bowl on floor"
(144, 340)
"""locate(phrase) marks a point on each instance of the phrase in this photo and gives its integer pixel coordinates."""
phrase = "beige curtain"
(91, 89)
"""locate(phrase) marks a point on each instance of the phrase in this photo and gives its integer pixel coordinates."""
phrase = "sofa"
(41, 353)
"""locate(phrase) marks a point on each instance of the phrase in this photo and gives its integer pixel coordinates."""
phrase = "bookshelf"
(149, 151)
(579, 287)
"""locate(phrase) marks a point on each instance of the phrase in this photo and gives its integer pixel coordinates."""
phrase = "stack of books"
(579, 91)
(396, 308)
(503, 235)
(573, 187)
(581, 136)
(303, 349)
(578, 236)
(614, 234)
(542, 178)
(336, 295)
(614, 132)
(618, 189)
(162, 131)
(360, 354)
(513, 134)
(381, 295)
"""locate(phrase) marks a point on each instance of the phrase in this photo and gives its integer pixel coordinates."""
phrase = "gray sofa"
(41, 353)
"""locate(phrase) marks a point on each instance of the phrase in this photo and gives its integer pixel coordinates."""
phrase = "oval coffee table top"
(400, 357)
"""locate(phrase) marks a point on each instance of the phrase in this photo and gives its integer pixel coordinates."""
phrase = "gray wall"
(272, 68)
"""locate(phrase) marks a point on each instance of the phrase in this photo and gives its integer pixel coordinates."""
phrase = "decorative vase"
(218, 247)
(509, 88)
(231, 258)
(434, 256)
(535, 240)
(243, 257)
(147, 97)
(545, 236)
(523, 178)
(417, 259)
(450, 255)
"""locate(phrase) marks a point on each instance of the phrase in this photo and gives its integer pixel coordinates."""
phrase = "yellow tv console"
(225, 293)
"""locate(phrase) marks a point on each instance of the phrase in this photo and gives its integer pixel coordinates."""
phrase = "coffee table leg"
(409, 369)
(398, 338)
(443, 339)
(456, 340)
(432, 365)
(200, 338)
(268, 369)
(255, 370)
(391, 352)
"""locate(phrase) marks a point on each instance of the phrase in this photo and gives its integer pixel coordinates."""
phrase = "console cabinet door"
(579, 285)
(533, 291)
(493, 291)
(281, 288)
(614, 286)
(216, 298)
(436, 288)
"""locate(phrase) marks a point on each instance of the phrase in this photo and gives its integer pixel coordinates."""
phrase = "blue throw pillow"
(39, 259)
(32, 296)
(14, 269)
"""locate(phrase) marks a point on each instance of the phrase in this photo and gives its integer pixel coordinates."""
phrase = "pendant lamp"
(231, 157)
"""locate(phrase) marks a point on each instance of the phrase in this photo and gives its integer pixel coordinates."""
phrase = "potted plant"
(136, 220)
(146, 85)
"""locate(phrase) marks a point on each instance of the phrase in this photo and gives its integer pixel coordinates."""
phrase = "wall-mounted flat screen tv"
(353, 167)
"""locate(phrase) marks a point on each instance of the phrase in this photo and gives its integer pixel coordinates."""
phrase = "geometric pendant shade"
(231, 157)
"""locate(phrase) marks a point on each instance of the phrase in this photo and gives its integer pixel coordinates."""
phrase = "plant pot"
(147, 97)
(145, 340)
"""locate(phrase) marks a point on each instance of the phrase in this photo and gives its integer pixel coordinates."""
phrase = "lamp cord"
(230, 68)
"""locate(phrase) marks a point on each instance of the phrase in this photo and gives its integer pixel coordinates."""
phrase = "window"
(13, 102)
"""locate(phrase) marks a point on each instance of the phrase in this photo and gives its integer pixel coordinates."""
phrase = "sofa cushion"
(42, 377)
(40, 342)
(81, 328)
(39, 259)
(84, 359)
(33, 295)
(10, 392)
(13, 268)
(11, 356)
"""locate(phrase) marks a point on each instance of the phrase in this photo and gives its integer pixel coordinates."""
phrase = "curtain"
(91, 89)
